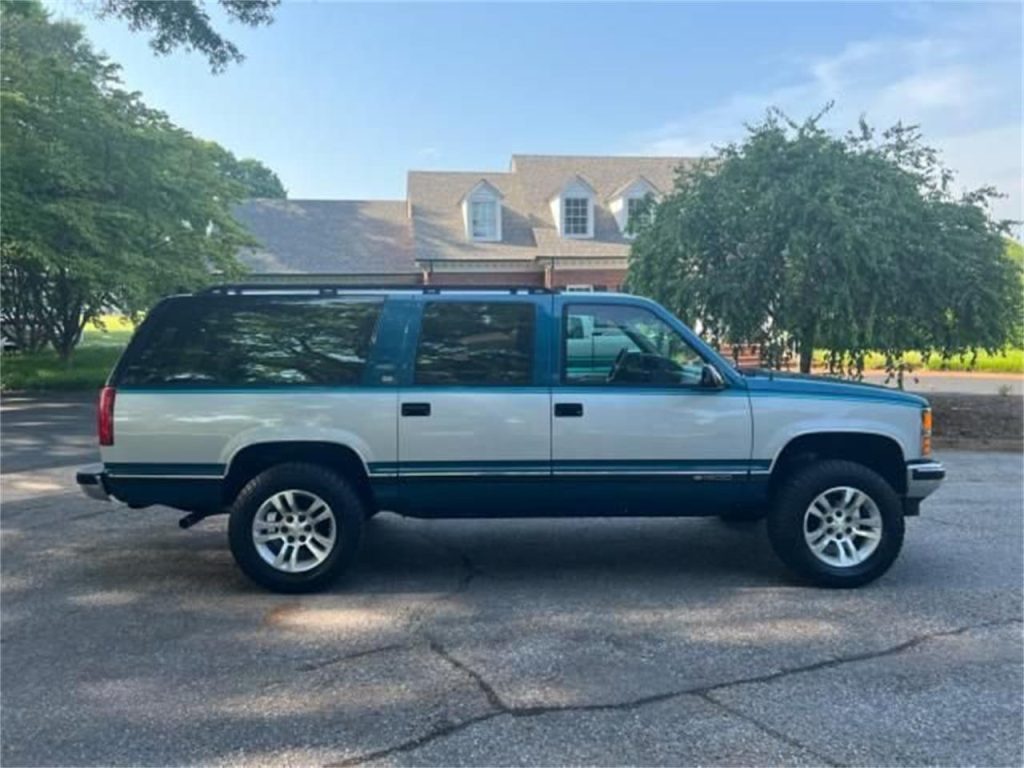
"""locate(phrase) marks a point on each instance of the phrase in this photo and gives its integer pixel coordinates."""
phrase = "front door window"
(619, 345)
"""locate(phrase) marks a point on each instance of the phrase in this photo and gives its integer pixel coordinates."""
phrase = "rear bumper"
(92, 480)
(924, 478)
(191, 494)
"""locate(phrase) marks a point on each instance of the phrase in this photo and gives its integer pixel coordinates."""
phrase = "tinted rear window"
(476, 344)
(251, 343)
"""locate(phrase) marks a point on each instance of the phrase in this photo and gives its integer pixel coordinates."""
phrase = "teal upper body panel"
(774, 384)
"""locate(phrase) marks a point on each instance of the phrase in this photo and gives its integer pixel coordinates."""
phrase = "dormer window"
(572, 209)
(483, 219)
(632, 205)
(639, 211)
(481, 213)
(576, 216)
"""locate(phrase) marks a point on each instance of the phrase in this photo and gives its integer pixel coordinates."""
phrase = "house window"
(483, 219)
(576, 216)
(638, 213)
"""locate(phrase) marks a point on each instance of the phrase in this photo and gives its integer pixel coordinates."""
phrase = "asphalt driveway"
(128, 641)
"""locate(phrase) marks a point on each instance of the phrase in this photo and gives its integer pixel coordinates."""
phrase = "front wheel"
(837, 524)
(295, 527)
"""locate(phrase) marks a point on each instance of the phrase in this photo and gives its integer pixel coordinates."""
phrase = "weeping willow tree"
(796, 239)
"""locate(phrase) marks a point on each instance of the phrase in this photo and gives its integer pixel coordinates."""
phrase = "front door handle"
(415, 409)
(568, 409)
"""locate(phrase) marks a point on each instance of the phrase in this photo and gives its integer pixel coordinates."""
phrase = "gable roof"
(328, 236)
(483, 186)
(390, 236)
(439, 230)
(577, 180)
(622, 189)
(527, 228)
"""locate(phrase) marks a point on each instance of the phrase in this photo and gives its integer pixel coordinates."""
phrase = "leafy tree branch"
(796, 239)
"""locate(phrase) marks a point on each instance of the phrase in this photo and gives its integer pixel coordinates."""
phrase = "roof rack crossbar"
(333, 289)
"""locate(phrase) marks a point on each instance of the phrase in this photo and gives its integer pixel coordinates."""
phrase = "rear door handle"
(568, 409)
(415, 409)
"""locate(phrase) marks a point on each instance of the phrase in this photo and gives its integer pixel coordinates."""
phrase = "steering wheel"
(617, 365)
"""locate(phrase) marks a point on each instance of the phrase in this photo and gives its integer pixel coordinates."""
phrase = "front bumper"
(923, 478)
(92, 481)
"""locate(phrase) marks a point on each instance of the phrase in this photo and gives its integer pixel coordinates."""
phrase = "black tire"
(348, 510)
(791, 502)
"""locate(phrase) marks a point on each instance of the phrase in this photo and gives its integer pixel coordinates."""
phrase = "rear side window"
(255, 343)
(476, 344)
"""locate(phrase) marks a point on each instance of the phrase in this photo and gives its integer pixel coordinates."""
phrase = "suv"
(302, 411)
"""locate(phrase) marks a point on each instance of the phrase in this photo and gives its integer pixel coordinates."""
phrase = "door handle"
(415, 409)
(568, 409)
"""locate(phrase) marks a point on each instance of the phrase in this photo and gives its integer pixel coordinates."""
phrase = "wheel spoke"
(318, 550)
(318, 511)
(816, 509)
(867, 533)
(282, 556)
(851, 550)
(315, 546)
(266, 536)
(849, 494)
(324, 541)
(820, 544)
(843, 560)
(289, 499)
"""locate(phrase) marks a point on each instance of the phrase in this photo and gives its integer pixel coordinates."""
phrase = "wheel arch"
(249, 460)
(880, 453)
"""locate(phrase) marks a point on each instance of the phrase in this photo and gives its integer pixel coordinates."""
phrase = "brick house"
(553, 221)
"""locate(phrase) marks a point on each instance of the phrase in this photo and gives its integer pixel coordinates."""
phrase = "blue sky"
(342, 99)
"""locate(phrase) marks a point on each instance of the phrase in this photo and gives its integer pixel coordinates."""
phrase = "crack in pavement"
(413, 744)
(499, 707)
(469, 572)
(490, 694)
(312, 666)
(765, 728)
(469, 568)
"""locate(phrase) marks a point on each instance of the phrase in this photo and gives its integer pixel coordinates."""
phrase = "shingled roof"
(528, 230)
(328, 236)
(399, 236)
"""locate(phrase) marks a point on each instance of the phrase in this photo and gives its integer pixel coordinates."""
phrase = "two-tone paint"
(540, 449)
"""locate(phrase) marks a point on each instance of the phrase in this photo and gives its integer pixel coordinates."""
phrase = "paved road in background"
(967, 384)
(128, 641)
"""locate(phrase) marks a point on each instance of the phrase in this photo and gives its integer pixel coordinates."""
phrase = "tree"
(105, 203)
(255, 178)
(185, 24)
(796, 239)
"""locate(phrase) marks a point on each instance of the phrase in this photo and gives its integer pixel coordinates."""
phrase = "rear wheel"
(837, 524)
(295, 527)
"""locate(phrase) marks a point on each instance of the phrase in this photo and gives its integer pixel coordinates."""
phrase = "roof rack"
(330, 289)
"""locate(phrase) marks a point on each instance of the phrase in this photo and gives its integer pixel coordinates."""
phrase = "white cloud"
(959, 79)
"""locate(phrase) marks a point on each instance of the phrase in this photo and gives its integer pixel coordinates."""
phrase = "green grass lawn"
(88, 368)
(1008, 361)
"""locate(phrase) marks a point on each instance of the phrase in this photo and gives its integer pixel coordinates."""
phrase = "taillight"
(105, 416)
(926, 432)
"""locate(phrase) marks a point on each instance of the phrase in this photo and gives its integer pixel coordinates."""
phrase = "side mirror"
(710, 378)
